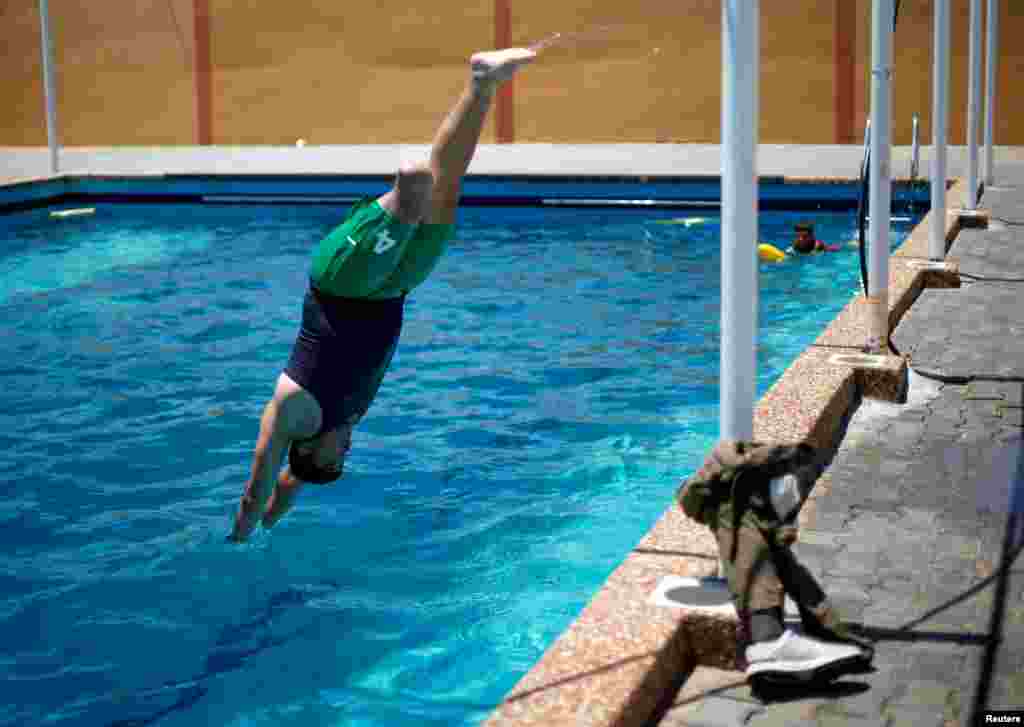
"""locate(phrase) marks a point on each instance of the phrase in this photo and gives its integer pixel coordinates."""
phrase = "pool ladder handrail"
(915, 149)
(867, 149)
(862, 207)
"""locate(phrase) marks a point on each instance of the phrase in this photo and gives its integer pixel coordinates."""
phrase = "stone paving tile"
(973, 434)
(959, 579)
(1012, 393)
(843, 702)
(893, 579)
(770, 719)
(924, 694)
(982, 412)
(885, 614)
(906, 717)
(991, 390)
(903, 430)
(708, 681)
(842, 720)
(866, 704)
(918, 520)
(1008, 691)
(848, 590)
(1012, 417)
(834, 522)
(817, 556)
(941, 663)
(711, 712)
(820, 537)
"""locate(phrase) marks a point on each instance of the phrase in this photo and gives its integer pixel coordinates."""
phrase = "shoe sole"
(857, 664)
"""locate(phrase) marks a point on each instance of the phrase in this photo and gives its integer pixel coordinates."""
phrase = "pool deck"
(906, 527)
(807, 162)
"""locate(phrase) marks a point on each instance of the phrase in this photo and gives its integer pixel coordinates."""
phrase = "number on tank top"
(384, 242)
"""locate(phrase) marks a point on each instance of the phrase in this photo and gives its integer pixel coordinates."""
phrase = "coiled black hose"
(862, 216)
(862, 207)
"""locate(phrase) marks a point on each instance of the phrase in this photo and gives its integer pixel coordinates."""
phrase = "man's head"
(320, 459)
(804, 240)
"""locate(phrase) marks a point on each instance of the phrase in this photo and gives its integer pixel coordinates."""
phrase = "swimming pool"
(556, 377)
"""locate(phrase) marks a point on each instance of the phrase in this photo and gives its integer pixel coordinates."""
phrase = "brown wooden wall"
(385, 72)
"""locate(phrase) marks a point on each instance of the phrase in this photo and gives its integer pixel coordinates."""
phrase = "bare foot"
(493, 67)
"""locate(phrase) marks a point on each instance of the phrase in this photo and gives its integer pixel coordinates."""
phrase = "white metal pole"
(973, 104)
(940, 119)
(49, 86)
(991, 63)
(740, 58)
(881, 177)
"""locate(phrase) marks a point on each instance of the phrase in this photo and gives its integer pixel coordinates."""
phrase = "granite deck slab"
(966, 333)
(993, 254)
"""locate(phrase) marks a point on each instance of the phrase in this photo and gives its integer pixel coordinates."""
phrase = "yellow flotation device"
(770, 253)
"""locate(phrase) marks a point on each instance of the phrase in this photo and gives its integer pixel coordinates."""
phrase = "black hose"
(862, 216)
(892, 346)
(862, 206)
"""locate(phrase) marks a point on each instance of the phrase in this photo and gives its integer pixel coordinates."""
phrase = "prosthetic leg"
(749, 494)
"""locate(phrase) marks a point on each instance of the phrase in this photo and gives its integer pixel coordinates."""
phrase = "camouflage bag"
(734, 482)
(731, 494)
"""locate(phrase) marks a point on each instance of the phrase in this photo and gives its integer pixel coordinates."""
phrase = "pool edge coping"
(623, 659)
(505, 188)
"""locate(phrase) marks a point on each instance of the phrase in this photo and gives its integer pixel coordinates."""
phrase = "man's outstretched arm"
(291, 414)
(270, 448)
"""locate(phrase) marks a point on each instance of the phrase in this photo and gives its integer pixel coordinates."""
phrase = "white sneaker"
(796, 658)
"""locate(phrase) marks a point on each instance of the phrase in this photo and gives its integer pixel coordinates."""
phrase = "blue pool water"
(556, 377)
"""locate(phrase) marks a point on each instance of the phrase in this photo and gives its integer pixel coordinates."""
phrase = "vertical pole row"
(991, 61)
(881, 175)
(940, 117)
(973, 104)
(49, 86)
(740, 62)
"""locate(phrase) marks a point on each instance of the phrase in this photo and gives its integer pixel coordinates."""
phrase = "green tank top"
(373, 255)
